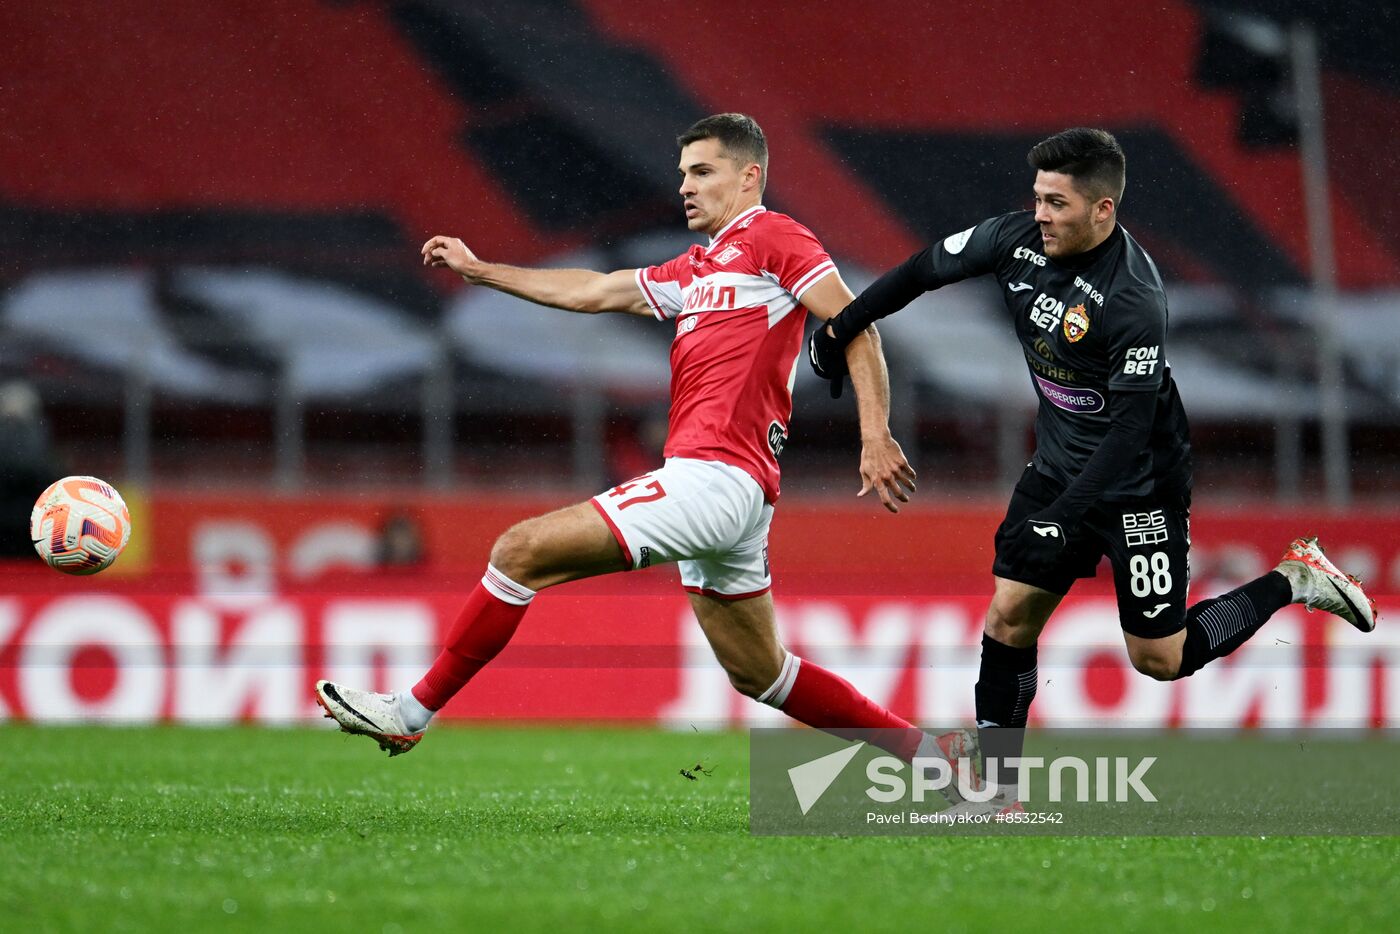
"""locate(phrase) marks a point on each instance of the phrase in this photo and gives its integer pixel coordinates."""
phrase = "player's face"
(1070, 221)
(714, 187)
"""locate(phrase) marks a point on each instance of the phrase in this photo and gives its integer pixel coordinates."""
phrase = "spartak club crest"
(1076, 323)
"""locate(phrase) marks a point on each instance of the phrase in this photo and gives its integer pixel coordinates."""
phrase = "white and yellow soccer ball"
(80, 525)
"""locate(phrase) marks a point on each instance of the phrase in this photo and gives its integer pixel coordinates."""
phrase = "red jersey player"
(738, 305)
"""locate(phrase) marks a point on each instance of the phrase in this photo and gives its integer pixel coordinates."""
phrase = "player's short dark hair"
(1091, 157)
(739, 134)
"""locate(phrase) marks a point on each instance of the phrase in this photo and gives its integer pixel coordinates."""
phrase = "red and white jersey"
(739, 318)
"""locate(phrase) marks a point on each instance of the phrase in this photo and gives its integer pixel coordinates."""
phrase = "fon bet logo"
(1046, 312)
(1141, 361)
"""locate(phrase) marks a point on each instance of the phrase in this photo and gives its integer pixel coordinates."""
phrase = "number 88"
(1150, 576)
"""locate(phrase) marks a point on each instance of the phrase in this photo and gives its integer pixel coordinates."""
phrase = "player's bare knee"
(1158, 666)
(745, 684)
(1012, 624)
(750, 677)
(512, 553)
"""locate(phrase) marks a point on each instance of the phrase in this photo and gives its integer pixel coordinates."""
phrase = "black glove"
(1041, 538)
(828, 358)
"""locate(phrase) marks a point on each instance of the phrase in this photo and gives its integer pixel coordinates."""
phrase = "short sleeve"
(794, 256)
(1137, 340)
(661, 286)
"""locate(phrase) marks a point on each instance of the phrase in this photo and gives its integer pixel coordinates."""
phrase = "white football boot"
(959, 749)
(367, 714)
(1319, 584)
(966, 746)
(1003, 802)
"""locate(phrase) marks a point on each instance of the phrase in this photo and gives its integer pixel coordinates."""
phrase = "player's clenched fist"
(449, 252)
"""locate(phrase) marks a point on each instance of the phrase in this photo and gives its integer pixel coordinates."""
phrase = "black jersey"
(1090, 325)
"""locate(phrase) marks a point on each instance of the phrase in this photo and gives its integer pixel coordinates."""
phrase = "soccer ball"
(80, 525)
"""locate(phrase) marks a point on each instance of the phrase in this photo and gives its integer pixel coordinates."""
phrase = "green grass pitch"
(573, 829)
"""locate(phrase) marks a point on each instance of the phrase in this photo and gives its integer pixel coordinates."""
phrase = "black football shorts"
(1147, 540)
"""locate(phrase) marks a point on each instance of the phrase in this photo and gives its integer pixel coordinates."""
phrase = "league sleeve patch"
(955, 243)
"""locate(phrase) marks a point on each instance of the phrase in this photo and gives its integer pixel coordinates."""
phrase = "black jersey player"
(1111, 473)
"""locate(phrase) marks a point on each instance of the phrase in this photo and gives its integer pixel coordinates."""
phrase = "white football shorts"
(708, 517)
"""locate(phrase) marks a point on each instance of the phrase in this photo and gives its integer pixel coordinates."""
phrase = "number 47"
(654, 487)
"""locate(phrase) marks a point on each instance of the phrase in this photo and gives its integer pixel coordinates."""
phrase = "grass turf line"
(240, 829)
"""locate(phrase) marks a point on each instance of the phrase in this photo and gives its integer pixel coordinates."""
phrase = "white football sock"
(415, 715)
(1299, 577)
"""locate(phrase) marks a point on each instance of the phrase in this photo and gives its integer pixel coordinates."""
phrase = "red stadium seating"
(295, 106)
(311, 107)
(979, 68)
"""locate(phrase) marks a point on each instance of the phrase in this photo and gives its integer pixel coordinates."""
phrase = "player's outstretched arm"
(883, 466)
(961, 256)
(885, 296)
(581, 290)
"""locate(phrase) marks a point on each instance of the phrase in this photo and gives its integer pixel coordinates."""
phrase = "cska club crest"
(1076, 323)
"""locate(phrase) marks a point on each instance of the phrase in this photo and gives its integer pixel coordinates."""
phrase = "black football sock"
(1005, 687)
(1215, 628)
